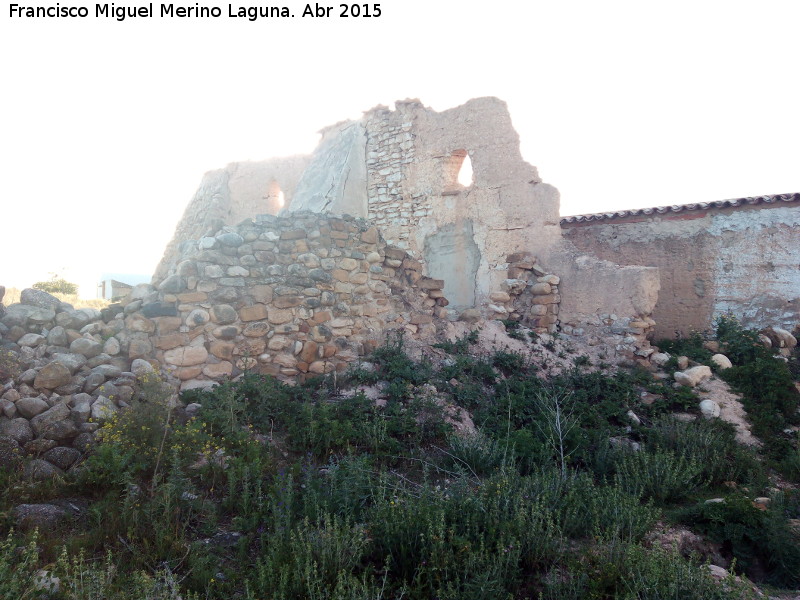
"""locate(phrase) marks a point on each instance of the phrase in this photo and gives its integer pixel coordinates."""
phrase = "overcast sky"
(107, 127)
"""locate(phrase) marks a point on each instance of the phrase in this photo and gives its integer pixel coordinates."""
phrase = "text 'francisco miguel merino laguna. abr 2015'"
(144, 11)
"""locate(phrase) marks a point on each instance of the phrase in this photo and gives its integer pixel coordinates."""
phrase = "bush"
(476, 453)
(740, 345)
(759, 540)
(619, 569)
(660, 474)
(138, 440)
(710, 443)
(659, 574)
(771, 401)
(56, 285)
(83, 579)
(691, 347)
(313, 561)
(314, 421)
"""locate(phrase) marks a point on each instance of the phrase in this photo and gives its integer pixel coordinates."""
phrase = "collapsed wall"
(63, 373)
(286, 296)
(739, 256)
(399, 169)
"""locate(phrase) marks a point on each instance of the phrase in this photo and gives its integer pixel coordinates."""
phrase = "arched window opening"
(457, 172)
(465, 172)
(275, 198)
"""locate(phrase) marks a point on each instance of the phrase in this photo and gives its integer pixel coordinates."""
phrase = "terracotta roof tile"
(677, 208)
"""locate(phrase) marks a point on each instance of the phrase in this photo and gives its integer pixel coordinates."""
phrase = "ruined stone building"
(301, 263)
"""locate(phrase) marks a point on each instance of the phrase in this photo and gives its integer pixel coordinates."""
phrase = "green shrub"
(659, 574)
(83, 579)
(313, 560)
(660, 474)
(710, 443)
(740, 345)
(343, 487)
(476, 453)
(789, 466)
(583, 509)
(465, 538)
(691, 347)
(56, 285)
(619, 569)
(771, 401)
(758, 539)
(461, 345)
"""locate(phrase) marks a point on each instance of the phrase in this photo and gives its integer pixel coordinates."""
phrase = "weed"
(760, 540)
(18, 568)
(660, 474)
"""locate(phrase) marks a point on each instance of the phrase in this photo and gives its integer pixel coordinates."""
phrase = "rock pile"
(63, 373)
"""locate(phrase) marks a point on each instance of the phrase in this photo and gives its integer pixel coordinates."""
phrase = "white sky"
(106, 128)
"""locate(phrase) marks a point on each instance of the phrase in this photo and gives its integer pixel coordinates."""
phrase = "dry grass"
(13, 296)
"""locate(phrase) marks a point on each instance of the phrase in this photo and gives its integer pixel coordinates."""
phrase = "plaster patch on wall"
(452, 254)
(756, 274)
(755, 219)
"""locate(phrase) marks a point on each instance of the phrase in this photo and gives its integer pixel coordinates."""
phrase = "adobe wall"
(743, 259)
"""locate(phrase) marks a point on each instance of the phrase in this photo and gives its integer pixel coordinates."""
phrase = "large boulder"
(30, 407)
(62, 457)
(722, 361)
(780, 338)
(38, 516)
(62, 431)
(710, 409)
(51, 376)
(57, 336)
(86, 347)
(186, 356)
(18, 429)
(41, 470)
(693, 376)
(72, 319)
(73, 362)
(103, 409)
(47, 420)
(31, 340)
(40, 298)
(23, 315)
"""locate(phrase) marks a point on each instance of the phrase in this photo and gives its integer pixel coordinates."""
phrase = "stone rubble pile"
(63, 372)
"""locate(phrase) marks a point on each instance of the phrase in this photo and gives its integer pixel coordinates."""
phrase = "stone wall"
(399, 170)
(737, 256)
(287, 295)
(63, 373)
(390, 150)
